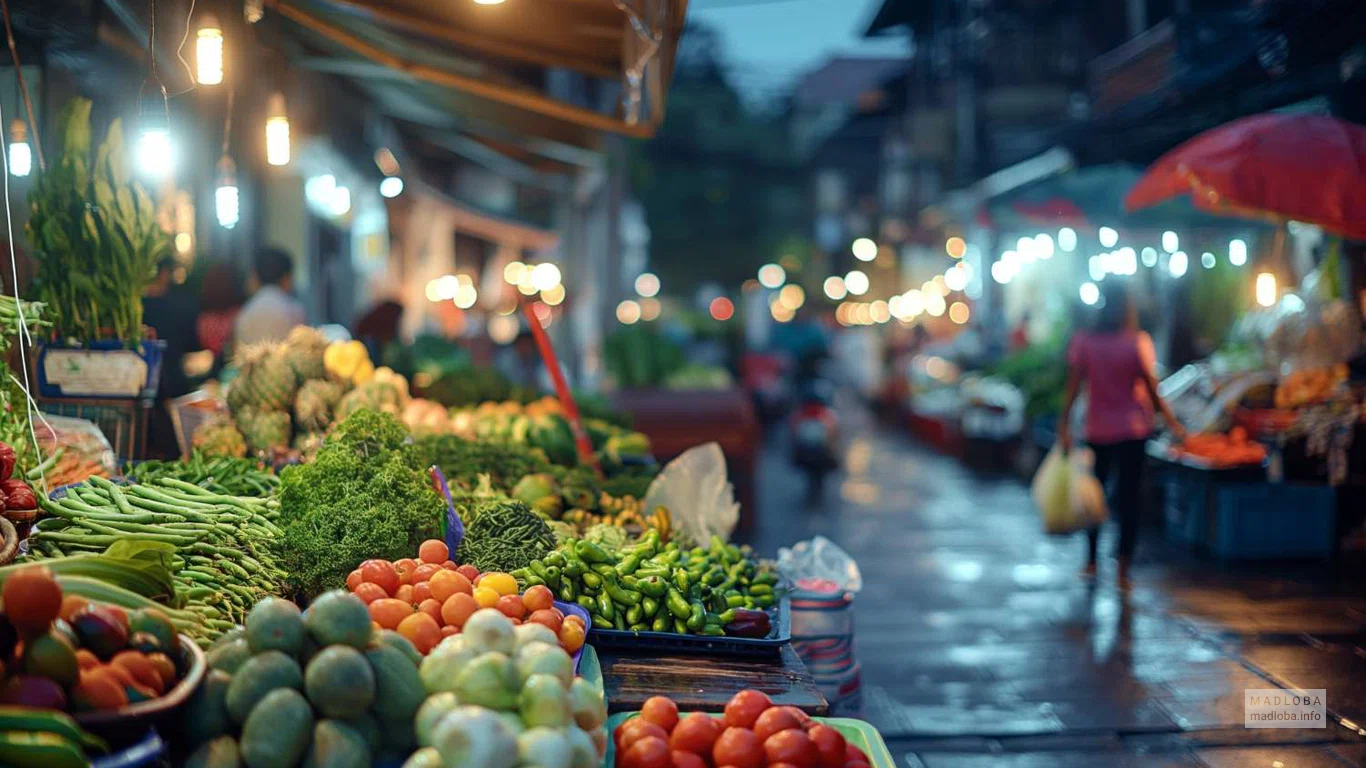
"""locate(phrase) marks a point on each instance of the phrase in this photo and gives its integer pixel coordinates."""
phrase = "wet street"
(980, 646)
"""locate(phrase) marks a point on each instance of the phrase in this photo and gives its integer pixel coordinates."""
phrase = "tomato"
(791, 746)
(745, 707)
(423, 592)
(432, 607)
(458, 608)
(445, 583)
(539, 598)
(424, 572)
(447, 630)
(738, 747)
(448, 565)
(695, 733)
(405, 568)
(381, 572)
(468, 571)
(802, 718)
(421, 630)
(433, 551)
(853, 754)
(548, 619)
(511, 606)
(660, 710)
(370, 592)
(781, 765)
(354, 579)
(857, 764)
(388, 612)
(687, 760)
(571, 637)
(404, 593)
(647, 752)
(774, 720)
(634, 729)
(830, 749)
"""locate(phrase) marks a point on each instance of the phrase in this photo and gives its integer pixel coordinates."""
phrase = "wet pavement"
(981, 646)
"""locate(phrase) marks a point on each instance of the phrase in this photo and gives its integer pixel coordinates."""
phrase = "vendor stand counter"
(676, 420)
(1234, 513)
(706, 683)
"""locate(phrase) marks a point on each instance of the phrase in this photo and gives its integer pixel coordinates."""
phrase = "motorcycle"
(815, 434)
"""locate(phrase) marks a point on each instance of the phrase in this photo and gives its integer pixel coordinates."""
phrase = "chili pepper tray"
(671, 642)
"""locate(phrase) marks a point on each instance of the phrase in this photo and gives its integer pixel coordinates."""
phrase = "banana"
(39, 749)
(14, 718)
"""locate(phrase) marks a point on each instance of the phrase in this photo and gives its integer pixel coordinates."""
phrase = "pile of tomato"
(753, 733)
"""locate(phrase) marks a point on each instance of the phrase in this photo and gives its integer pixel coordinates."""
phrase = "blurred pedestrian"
(220, 302)
(379, 327)
(1117, 366)
(169, 310)
(273, 311)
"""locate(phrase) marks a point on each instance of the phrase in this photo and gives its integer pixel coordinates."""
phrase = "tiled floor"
(980, 646)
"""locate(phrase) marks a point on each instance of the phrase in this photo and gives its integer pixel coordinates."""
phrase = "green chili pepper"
(587, 603)
(634, 615)
(592, 553)
(677, 605)
(568, 592)
(592, 580)
(605, 605)
(620, 595)
(660, 624)
(649, 606)
(602, 623)
(698, 617)
(681, 579)
(760, 589)
(552, 576)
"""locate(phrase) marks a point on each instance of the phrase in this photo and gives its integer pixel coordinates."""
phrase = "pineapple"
(308, 443)
(219, 437)
(314, 403)
(273, 382)
(304, 348)
(264, 429)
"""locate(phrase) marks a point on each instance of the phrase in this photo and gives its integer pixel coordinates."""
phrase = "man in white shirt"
(272, 311)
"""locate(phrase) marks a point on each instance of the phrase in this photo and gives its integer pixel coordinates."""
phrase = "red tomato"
(381, 572)
(647, 752)
(370, 592)
(774, 720)
(745, 707)
(539, 598)
(433, 551)
(738, 747)
(448, 565)
(546, 618)
(354, 579)
(802, 717)
(405, 568)
(830, 749)
(791, 746)
(660, 710)
(468, 571)
(687, 760)
(853, 754)
(571, 637)
(634, 729)
(511, 606)
(424, 572)
(695, 733)
(857, 764)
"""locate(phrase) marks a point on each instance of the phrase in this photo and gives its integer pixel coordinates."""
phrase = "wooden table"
(706, 683)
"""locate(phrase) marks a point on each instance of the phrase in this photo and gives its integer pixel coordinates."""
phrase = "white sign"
(85, 373)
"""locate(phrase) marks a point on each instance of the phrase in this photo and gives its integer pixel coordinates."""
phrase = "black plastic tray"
(672, 642)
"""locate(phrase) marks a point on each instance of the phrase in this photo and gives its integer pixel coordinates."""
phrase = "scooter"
(815, 434)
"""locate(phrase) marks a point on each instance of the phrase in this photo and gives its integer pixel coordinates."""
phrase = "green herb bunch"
(502, 535)
(95, 234)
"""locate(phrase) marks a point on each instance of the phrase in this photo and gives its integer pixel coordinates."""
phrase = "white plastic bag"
(1085, 493)
(695, 489)
(820, 563)
(1052, 489)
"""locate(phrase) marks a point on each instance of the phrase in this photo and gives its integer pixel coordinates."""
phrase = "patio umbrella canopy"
(1297, 167)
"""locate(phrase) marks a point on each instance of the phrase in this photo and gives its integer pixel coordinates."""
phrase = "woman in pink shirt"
(1117, 366)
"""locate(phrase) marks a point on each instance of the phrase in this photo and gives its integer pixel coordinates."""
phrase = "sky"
(773, 42)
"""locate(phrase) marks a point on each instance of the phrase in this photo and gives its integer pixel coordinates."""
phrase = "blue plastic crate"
(1274, 521)
(150, 350)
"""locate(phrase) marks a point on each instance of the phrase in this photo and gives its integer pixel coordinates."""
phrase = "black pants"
(1120, 468)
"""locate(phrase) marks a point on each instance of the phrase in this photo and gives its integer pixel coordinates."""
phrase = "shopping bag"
(1051, 490)
(1085, 492)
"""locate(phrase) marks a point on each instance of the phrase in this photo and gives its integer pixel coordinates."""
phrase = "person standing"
(169, 310)
(220, 301)
(1117, 365)
(272, 312)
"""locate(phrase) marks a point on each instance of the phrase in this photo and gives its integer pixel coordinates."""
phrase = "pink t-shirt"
(1112, 367)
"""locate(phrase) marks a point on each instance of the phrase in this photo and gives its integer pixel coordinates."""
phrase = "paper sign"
(81, 372)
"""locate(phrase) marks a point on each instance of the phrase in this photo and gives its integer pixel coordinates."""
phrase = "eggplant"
(749, 623)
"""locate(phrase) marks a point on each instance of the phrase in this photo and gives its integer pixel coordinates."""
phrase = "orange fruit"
(32, 599)
(424, 571)
(432, 608)
(433, 551)
(354, 579)
(422, 631)
(511, 606)
(405, 593)
(445, 583)
(98, 689)
(142, 669)
(422, 591)
(457, 608)
(485, 597)
(370, 592)
(389, 612)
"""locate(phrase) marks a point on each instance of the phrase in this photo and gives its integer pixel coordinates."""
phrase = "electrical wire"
(179, 51)
(23, 89)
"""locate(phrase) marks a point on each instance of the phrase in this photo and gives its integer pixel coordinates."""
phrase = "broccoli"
(358, 499)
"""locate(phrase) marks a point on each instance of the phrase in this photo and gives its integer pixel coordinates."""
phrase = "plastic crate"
(857, 732)
(1274, 521)
(671, 642)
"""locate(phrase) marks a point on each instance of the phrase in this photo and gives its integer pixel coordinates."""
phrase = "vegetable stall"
(473, 597)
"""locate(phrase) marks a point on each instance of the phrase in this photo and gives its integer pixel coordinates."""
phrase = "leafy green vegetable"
(362, 497)
(463, 461)
(502, 535)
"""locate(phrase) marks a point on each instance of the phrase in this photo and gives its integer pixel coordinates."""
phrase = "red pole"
(571, 409)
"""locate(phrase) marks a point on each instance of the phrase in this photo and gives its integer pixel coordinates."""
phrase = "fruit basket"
(144, 714)
(856, 732)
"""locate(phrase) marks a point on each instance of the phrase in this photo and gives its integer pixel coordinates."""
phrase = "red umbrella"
(1309, 168)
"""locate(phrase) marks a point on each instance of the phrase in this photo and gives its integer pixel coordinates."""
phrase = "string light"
(391, 187)
(647, 284)
(1067, 239)
(20, 156)
(856, 282)
(864, 249)
(1266, 289)
(834, 288)
(721, 309)
(1237, 252)
(628, 312)
(226, 199)
(1108, 237)
(277, 131)
(772, 276)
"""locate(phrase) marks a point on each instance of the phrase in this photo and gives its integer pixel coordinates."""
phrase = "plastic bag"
(1051, 490)
(1085, 493)
(820, 565)
(695, 489)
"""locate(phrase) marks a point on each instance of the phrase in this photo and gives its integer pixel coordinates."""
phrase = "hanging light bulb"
(277, 131)
(154, 152)
(227, 204)
(253, 10)
(20, 155)
(208, 52)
